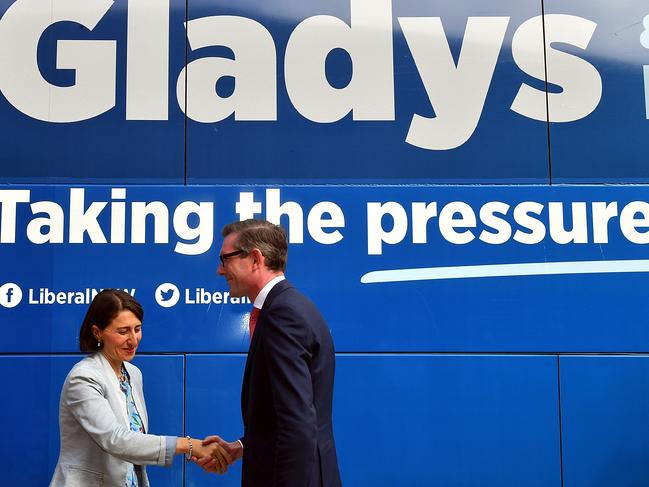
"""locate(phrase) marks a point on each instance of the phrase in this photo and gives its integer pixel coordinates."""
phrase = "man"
(287, 391)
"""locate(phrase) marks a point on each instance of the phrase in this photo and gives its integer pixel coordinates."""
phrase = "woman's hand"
(233, 449)
(221, 458)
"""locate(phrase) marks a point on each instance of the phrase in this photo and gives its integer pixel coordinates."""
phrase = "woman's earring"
(98, 344)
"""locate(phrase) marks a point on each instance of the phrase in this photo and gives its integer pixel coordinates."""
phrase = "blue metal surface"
(164, 387)
(31, 405)
(604, 404)
(214, 408)
(456, 420)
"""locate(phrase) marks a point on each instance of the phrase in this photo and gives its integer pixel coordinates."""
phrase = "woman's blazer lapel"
(113, 389)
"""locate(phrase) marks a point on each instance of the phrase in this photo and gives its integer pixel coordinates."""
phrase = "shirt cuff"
(170, 450)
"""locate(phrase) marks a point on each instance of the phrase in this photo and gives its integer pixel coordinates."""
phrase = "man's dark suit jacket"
(287, 394)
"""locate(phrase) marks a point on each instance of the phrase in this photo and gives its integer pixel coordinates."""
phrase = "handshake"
(215, 455)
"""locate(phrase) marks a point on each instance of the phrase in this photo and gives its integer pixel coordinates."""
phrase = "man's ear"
(257, 257)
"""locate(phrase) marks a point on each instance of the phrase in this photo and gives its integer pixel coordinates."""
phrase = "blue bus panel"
(610, 144)
(604, 404)
(413, 419)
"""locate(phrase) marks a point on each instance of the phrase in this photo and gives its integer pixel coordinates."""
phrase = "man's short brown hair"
(269, 238)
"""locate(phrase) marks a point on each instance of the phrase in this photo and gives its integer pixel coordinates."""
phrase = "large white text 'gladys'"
(456, 91)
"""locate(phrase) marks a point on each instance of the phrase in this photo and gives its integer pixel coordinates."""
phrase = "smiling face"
(120, 338)
(236, 269)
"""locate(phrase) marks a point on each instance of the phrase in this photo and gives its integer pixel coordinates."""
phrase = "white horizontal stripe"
(506, 270)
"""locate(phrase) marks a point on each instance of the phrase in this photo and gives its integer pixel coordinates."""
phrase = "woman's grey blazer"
(96, 439)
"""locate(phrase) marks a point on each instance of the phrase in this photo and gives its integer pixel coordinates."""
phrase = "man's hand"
(214, 455)
(233, 449)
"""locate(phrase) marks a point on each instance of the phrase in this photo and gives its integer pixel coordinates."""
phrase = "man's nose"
(220, 270)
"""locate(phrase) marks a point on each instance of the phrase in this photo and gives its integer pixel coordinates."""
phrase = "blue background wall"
(495, 381)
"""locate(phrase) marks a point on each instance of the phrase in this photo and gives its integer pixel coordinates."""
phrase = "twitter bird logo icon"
(167, 295)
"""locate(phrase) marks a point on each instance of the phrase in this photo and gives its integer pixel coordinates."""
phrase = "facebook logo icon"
(10, 295)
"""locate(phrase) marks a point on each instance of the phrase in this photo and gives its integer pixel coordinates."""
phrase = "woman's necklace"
(121, 376)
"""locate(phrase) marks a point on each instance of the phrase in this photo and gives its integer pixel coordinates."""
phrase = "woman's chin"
(128, 355)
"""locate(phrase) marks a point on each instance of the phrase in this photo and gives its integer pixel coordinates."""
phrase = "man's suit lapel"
(261, 321)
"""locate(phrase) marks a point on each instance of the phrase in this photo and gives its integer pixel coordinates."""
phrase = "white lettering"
(94, 62)
(602, 214)
(84, 221)
(54, 221)
(629, 223)
(9, 198)
(448, 223)
(370, 93)
(316, 222)
(488, 217)
(522, 217)
(456, 93)
(275, 210)
(147, 65)
(558, 233)
(580, 82)
(376, 233)
(202, 232)
(421, 214)
(160, 213)
(253, 68)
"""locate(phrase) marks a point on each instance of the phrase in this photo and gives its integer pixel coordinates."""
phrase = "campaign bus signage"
(521, 268)
(164, 91)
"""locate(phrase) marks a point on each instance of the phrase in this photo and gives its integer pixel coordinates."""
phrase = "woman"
(102, 415)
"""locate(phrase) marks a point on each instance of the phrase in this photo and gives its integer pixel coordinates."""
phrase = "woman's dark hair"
(102, 311)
